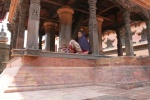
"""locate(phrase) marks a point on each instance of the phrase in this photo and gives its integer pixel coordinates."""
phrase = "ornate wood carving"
(139, 9)
(23, 8)
(93, 27)
(34, 12)
(33, 24)
(125, 4)
(128, 34)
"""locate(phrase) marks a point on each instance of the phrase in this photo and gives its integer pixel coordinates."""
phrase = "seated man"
(84, 44)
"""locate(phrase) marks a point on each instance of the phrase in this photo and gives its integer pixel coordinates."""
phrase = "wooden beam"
(107, 9)
(70, 2)
(83, 11)
(53, 2)
(49, 19)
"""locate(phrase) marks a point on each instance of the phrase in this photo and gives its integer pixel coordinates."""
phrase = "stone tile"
(81, 93)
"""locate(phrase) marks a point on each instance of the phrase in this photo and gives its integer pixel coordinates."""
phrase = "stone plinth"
(38, 73)
(27, 52)
(45, 73)
(123, 72)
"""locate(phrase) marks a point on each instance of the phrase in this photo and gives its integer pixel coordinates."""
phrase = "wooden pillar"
(65, 24)
(40, 41)
(128, 34)
(49, 36)
(93, 28)
(119, 43)
(21, 27)
(14, 34)
(11, 39)
(148, 32)
(33, 24)
(100, 20)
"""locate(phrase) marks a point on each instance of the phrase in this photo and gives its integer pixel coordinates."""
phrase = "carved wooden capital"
(125, 3)
(139, 9)
(49, 24)
(65, 9)
(100, 19)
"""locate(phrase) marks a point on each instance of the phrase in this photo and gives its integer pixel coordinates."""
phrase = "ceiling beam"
(53, 2)
(107, 9)
(80, 10)
(70, 2)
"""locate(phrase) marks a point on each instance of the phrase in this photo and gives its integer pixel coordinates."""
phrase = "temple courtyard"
(81, 93)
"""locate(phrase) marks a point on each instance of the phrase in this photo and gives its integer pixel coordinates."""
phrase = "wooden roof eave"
(144, 3)
(12, 10)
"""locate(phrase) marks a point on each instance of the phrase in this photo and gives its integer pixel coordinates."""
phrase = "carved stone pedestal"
(27, 52)
(32, 52)
(17, 52)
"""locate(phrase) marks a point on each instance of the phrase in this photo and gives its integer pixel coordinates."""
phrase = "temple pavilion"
(36, 68)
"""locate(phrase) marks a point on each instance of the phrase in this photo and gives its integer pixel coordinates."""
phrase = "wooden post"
(128, 34)
(93, 28)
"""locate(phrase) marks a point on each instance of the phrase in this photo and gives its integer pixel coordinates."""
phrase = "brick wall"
(126, 72)
(48, 72)
(38, 72)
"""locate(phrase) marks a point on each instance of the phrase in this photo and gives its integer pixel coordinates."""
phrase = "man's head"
(81, 29)
(79, 34)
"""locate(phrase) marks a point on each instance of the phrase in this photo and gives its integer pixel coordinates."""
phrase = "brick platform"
(123, 72)
(37, 73)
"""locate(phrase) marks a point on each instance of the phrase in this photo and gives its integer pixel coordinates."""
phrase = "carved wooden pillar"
(93, 28)
(33, 24)
(14, 34)
(65, 24)
(119, 43)
(40, 41)
(100, 20)
(49, 36)
(128, 34)
(148, 32)
(21, 27)
(11, 31)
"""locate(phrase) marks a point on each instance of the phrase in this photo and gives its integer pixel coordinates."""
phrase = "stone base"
(132, 85)
(32, 52)
(28, 52)
(38, 72)
(17, 52)
(35, 88)
(124, 72)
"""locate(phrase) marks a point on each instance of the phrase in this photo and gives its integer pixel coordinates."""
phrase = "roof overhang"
(143, 3)
(12, 10)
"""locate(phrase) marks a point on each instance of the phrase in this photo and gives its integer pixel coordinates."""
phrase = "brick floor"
(81, 93)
